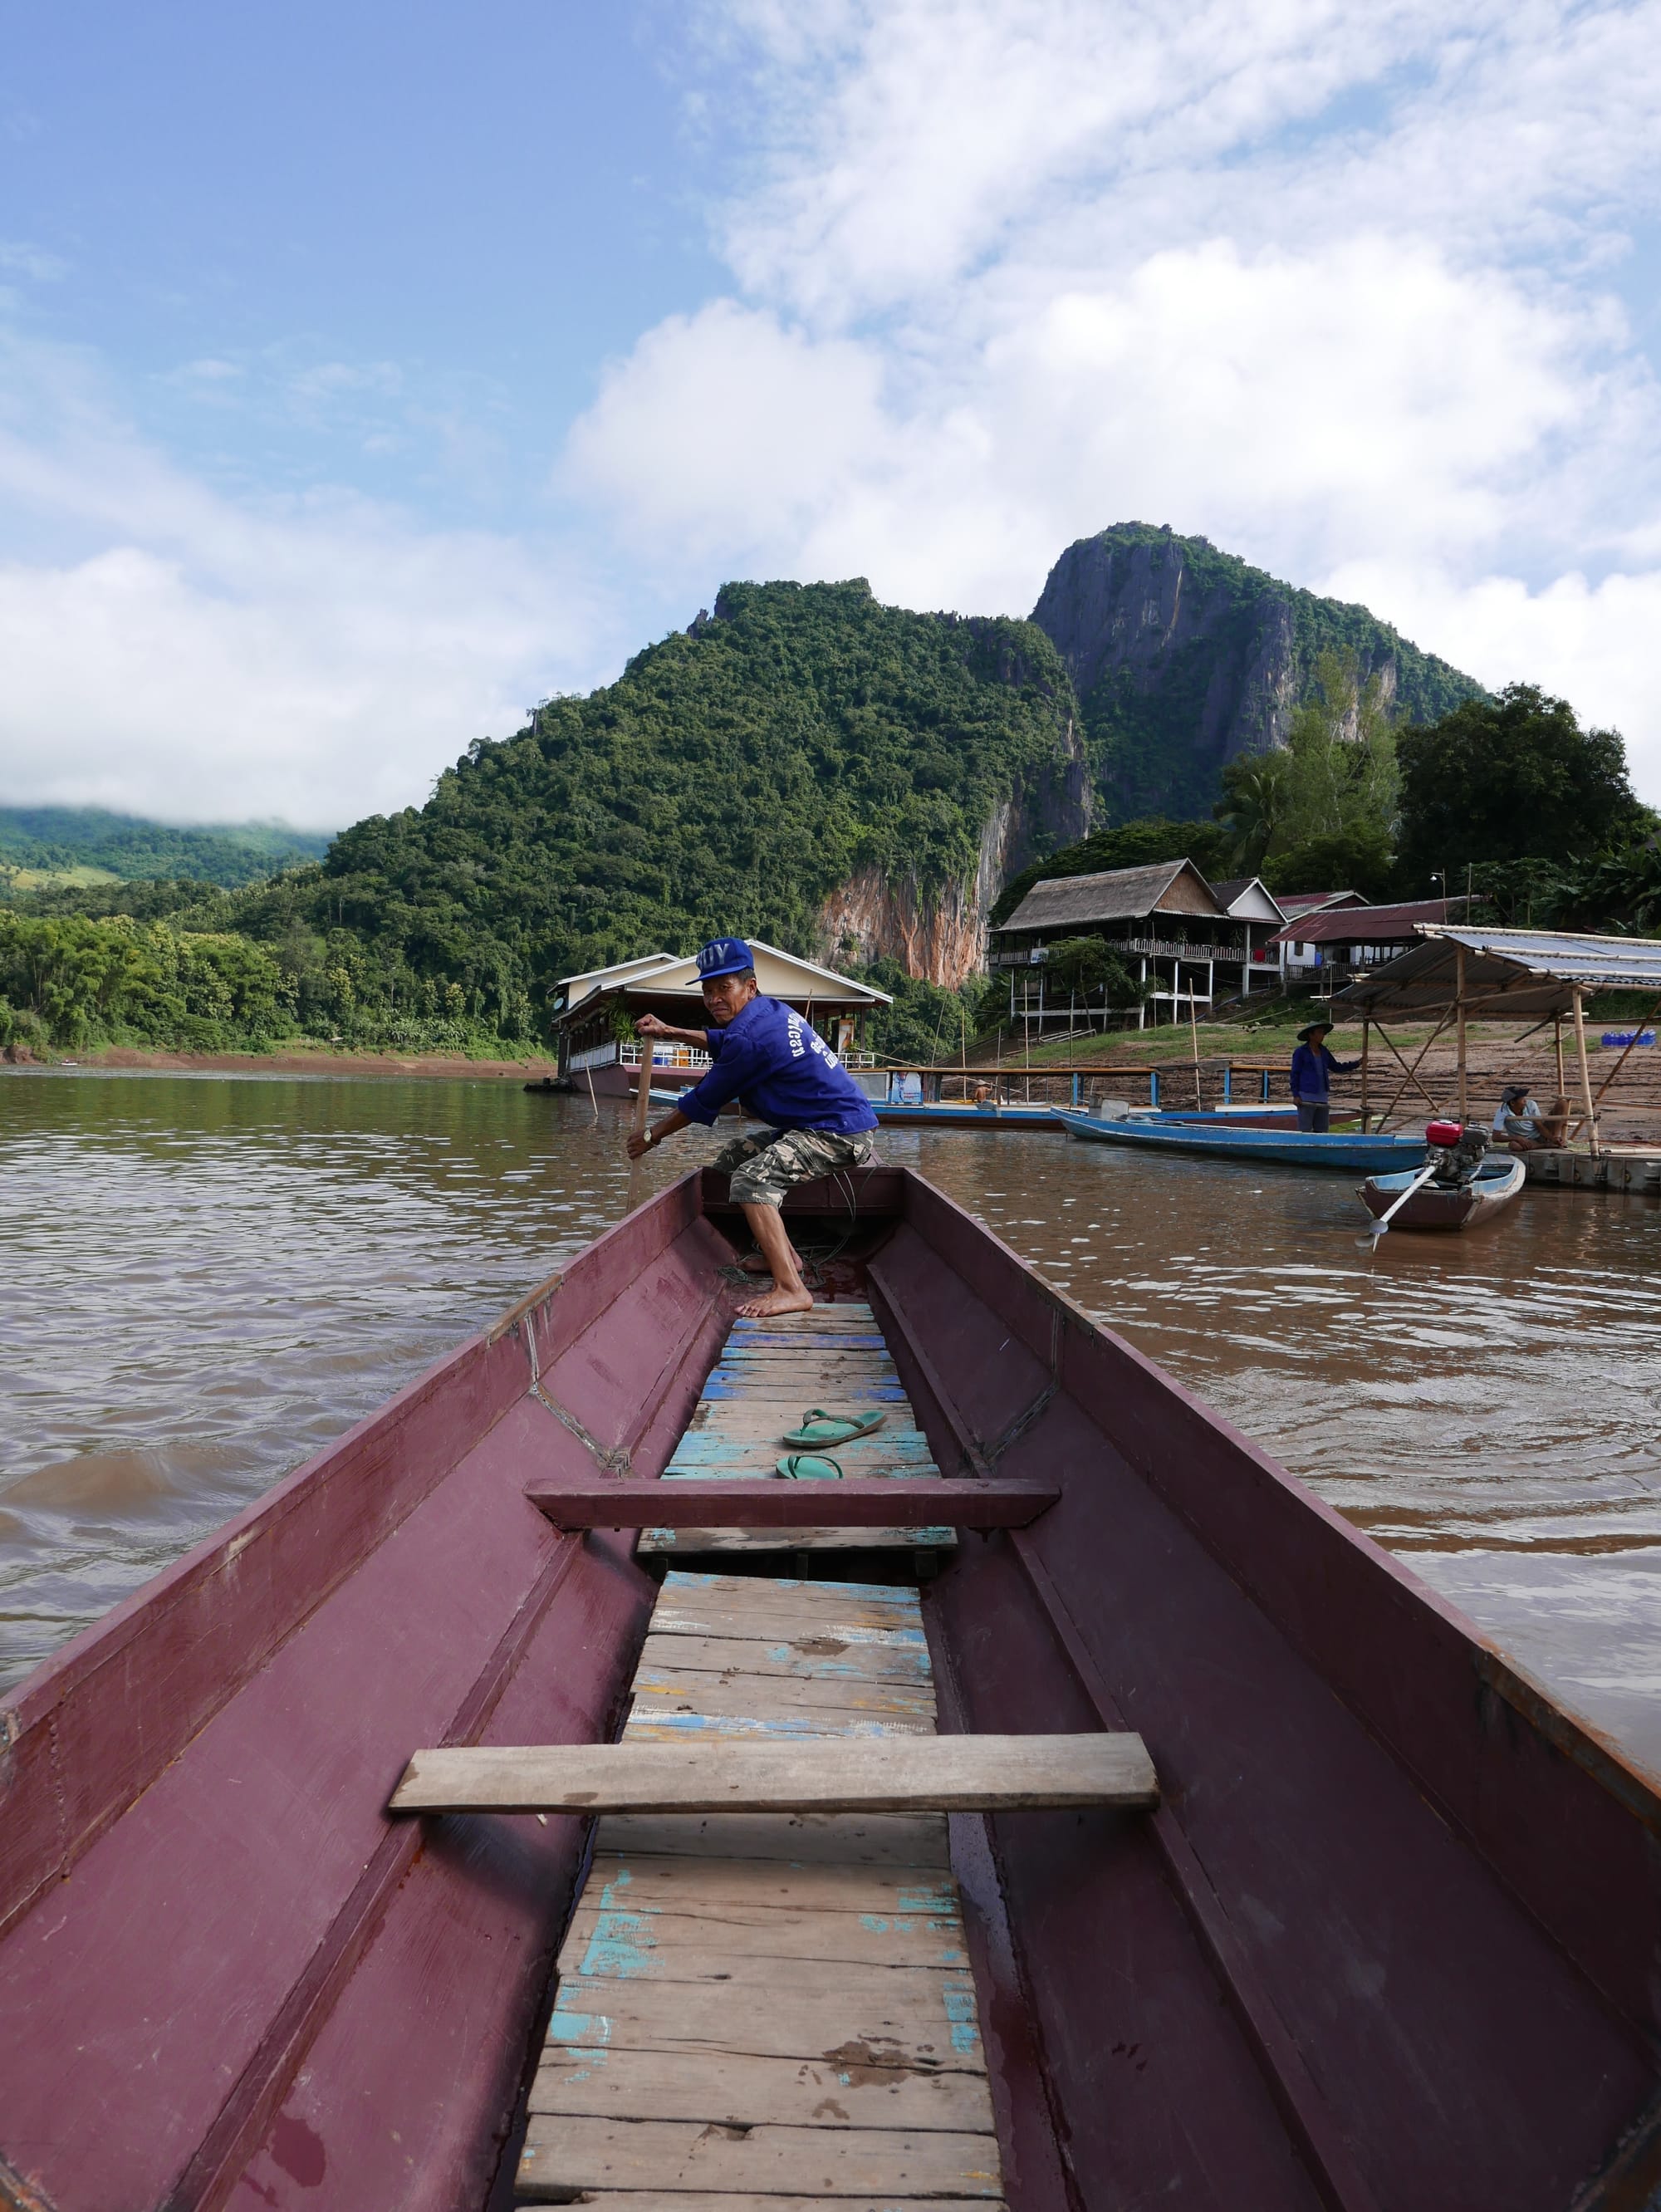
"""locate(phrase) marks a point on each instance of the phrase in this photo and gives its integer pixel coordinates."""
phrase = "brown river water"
(204, 1279)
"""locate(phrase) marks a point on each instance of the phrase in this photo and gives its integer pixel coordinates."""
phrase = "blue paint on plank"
(906, 1601)
(962, 2017)
(720, 1724)
(587, 2030)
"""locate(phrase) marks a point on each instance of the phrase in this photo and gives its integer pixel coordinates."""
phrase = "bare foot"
(756, 1263)
(777, 1302)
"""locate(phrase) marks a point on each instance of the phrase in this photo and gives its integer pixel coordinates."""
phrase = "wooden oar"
(1382, 1222)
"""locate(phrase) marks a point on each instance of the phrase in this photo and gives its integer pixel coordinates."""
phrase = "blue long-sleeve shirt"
(782, 1073)
(1309, 1072)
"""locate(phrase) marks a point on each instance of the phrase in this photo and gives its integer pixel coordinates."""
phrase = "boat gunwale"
(1382, 1578)
(343, 1475)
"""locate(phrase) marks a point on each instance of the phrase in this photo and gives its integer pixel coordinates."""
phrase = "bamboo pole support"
(1586, 1071)
(643, 1087)
(1459, 1009)
(1413, 1072)
(1366, 1039)
(1391, 1048)
(1557, 1039)
(1193, 1039)
(1654, 1013)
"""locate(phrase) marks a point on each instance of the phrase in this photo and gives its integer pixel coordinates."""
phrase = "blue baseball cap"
(724, 955)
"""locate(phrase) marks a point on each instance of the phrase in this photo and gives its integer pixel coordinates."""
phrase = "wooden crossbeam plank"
(946, 1774)
(878, 1502)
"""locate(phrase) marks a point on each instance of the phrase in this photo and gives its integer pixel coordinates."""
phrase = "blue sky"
(367, 373)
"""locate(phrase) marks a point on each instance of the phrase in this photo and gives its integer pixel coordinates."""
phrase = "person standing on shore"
(1312, 1066)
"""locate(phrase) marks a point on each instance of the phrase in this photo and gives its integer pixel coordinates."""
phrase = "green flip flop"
(819, 1427)
(809, 1466)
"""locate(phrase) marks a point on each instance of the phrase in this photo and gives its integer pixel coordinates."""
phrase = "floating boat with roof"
(534, 1799)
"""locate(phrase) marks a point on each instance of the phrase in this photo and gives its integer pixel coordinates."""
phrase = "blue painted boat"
(1294, 1148)
(893, 1113)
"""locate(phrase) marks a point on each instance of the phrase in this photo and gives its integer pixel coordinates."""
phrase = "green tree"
(1510, 779)
(1345, 860)
(1253, 804)
(1086, 967)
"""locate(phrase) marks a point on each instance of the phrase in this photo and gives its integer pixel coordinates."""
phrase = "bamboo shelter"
(1456, 973)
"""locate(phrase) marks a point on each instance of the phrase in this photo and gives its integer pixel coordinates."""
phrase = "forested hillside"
(802, 745)
(55, 842)
(848, 780)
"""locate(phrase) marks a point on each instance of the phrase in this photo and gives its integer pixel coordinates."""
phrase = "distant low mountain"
(85, 844)
(1183, 658)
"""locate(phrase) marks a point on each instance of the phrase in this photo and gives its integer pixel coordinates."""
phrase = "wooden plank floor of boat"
(761, 2012)
(769, 1375)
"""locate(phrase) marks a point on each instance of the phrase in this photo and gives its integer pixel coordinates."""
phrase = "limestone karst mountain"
(1183, 658)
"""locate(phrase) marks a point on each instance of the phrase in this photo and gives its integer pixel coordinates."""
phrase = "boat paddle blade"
(1381, 1223)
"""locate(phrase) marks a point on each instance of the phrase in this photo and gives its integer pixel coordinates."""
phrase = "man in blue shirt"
(1312, 1063)
(781, 1070)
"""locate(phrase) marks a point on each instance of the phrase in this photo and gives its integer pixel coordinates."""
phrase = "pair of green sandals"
(819, 1427)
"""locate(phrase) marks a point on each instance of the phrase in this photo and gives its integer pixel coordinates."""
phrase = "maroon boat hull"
(1390, 1941)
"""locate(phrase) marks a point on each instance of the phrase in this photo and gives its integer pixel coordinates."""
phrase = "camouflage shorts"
(766, 1163)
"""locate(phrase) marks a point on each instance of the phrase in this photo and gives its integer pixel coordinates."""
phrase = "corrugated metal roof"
(1362, 925)
(1305, 902)
(1520, 971)
(1121, 895)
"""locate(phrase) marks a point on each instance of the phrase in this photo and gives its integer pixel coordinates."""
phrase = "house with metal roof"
(1166, 923)
(595, 1012)
(1335, 943)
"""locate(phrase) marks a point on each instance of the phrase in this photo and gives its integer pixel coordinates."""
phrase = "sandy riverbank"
(107, 1058)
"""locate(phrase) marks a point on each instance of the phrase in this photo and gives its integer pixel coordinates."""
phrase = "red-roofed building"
(1337, 937)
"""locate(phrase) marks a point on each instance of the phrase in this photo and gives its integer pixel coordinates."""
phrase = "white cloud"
(1333, 284)
(172, 652)
(1592, 644)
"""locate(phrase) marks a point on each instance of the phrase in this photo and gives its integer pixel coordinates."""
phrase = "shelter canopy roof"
(1508, 971)
(1119, 894)
(657, 975)
(1362, 925)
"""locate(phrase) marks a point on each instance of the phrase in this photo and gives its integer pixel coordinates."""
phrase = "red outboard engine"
(1455, 1150)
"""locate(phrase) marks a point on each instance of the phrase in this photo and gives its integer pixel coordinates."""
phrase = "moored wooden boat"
(1228, 1140)
(1446, 1205)
(1016, 1114)
(1385, 1942)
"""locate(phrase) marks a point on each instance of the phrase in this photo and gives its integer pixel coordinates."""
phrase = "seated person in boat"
(782, 1073)
(1311, 1065)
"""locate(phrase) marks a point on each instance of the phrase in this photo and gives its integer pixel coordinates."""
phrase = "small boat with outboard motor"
(1461, 1185)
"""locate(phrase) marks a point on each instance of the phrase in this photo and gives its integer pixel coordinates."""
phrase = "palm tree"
(1255, 804)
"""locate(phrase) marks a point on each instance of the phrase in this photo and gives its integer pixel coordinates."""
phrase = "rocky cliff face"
(1183, 658)
(939, 932)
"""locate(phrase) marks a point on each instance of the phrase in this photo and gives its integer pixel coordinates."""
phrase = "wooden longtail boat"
(1387, 1942)
(948, 1115)
(1446, 1205)
(1279, 1147)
